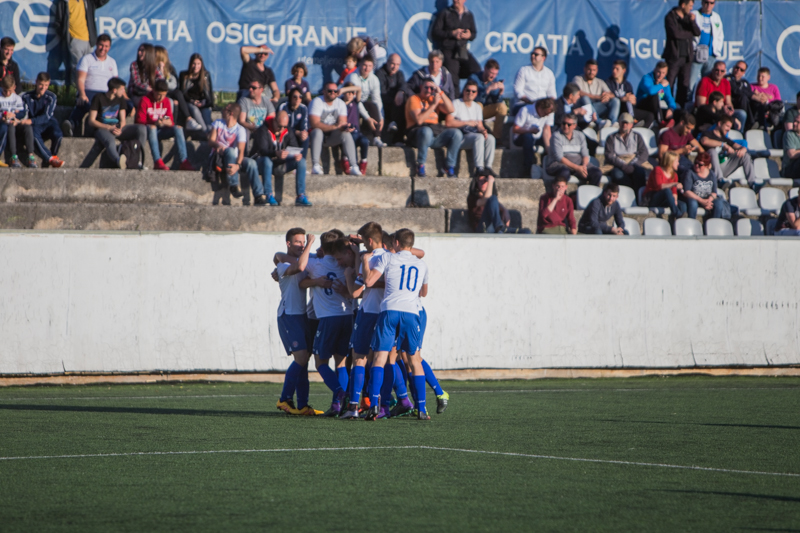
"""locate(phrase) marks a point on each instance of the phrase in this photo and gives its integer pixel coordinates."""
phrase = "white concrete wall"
(129, 302)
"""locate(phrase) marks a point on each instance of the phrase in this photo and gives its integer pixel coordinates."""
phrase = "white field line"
(435, 448)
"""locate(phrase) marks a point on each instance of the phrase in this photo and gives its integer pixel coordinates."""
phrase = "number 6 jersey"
(404, 276)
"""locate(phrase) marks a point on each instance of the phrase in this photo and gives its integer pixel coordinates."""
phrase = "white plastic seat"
(604, 134)
(688, 227)
(587, 193)
(590, 134)
(735, 135)
(793, 192)
(649, 139)
(766, 171)
(627, 202)
(745, 199)
(747, 227)
(656, 227)
(771, 199)
(632, 226)
(758, 140)
(719, 227)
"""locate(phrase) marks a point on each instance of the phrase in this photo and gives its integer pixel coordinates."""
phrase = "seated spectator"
(556, 211)
(256, 108)
(623, 90)
(791, 114)
(198, 92)
(655, 95)
(108, 117)
(228, 142)
(436, 72)
(533, 126)
(485, 212)
(258, 71)
(94, 71)
(299, 73)
(7, 64)
(700, 190)
(735, 155)
(393, 96)
(41, 104)
(707, 115)
(371, 109)
(679, 139)
(298, 116)
(596, 215)
(741, 93)
(350, 66)
(354, 107)
(627, 154)
(327, 120)
(453, 30)
(568, 103)
(424, 130)
(716, 81)
(270, 143)
(143, 72)
(155, 112)
(791, 151)
(570, 155)
(596, 93)
(15, 123)
(490, 94)
(663, 185)
(467, 116)
(534, 82)
(766, 103)
(788, 224)
(167, 73)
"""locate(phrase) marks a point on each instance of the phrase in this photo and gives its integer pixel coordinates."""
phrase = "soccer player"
(405, 279)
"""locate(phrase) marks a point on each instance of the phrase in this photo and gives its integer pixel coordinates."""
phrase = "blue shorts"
(396, 328)
(333, 336)
(293, 330)
(363, 330)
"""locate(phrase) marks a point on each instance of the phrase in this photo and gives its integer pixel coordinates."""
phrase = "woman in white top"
(468, 117)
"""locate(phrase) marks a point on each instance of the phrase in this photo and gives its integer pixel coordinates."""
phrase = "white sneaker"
(392, 126)
(378, 142)
(318, 169)
(192, 124)
(354, 171)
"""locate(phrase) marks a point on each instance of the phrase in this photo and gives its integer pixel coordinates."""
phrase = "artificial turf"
(750, 424)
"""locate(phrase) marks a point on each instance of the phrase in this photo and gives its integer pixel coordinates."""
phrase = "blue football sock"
(431, 378)
(329, 377)
(359, 373)
(419, 383)
(388, 381)
(302, 387)
(399, 382)
(344, 379)
(290, 381)
(375, 383)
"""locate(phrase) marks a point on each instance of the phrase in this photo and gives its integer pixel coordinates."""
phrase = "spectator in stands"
(534, 81)
(623, 90)
(568, 103)
(350, 66)
(155, 112)
(788, 224)
(298, 80)
(707, 114)
(435, 71)
(41, 104)
(7, 63)
(143, 72)
(74, 24)
(371, 108)
(655, 95)
(791, 114)
(569, 154)
(393, 96)
(791, 151)
(257, 70)
(490, 93)
(15, 123)
(596, 93)
(453, 30)
(195, 83)
(681, 29)
(424, 130)
(256, 108)
(708, 46)
(228, 142)
(533, 125)
(679, 139)
(108, 116)
(717, 81)
(596, 215)
(354, 109)
(663, 185)
(485, 212)
(735, 155)
(741, 92)
(467, 116)
(362, 45)
(298, 116)
(766, 103)
(168, 73)
(270, 152)
(700, 190)
(556, 211)
(328, 123)
(94, 71)
(627, 154)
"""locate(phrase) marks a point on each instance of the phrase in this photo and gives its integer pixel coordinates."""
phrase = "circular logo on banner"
(419, 17)
(779, 48)
(32, 27)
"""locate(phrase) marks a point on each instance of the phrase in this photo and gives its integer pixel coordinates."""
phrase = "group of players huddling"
(390, 278)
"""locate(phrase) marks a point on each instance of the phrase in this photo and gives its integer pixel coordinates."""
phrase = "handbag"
(701, 53)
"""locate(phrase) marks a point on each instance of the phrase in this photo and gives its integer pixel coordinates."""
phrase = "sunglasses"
(254, 87)
(719, 70)
(334, 91)
(471, 91)
(740, 69)
(706, 2)
(570, 124)
(538, 54)
(427, 88)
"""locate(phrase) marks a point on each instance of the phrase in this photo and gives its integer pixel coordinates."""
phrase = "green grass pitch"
(635, 438)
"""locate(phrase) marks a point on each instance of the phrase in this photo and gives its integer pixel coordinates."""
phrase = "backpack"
(134, 154)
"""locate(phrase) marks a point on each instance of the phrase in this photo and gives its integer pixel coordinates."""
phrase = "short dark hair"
(621, 63)
(404, 237)
(715, 96)
(7, 41)
(679, 115)
(328, 241)
(292, 91)
(611, 187)
(724, 118)
(590, 62)
(542, 49)
(560, 179)
(492, 63)
(570, 89)
(42, 76)
(234, 109)
(544, 106)
(372, 230)
(367, 58)
(161, 86)
(569, 116)
(690, 120)
(8, 81)
(115, 83)
(684, 2)
(103, 37)
(299, 65)
(472, 83)
(660, 65)
(340, 245)
(797, 95)
(294, 231)
(764, 69)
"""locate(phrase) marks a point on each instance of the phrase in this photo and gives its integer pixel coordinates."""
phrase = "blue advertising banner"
(780, 34)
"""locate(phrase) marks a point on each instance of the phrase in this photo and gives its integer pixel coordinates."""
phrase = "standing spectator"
(435, 71)
(258, 71)
(371, 103)
(299, 73)
(700, 190)
(596, 93)
(485, 212)
(354, 107)
(108, 115)
(256, 108)
(717, 82)
(198, 92)
(73, 23)
(15, 122)
(766, 102)
(490, 93)
(143, 72)
(467, 116)
(298, 116)
(155, 112)
(654, 95)
(350, 66)
(41, 104)
(94, 71)
(708, 46)
(393, 96)
(328, 123)
(791, 151)
(741, 93)
(788, 223)
(424, 130)
(533, 125)
(7, 64)
(623, 90)
(627, 153)
(568, 103)
(534, 81)
(663, 185)
(228, 142)
(681, 29)
(556, 211)
(679, 139)
(727, 155)
(595, 218)
(453, 29)
(569, 154)
(270, 143)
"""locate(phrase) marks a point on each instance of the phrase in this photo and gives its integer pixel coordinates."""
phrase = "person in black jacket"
(393, 83)
(8, 65)
(453, 29)
(681, 30)
(270, 143)
(198, 91)
(78, 37)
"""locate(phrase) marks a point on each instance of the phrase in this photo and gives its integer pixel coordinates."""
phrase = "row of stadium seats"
(690, 227)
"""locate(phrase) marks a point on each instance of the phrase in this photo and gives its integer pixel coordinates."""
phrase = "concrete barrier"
(122, 302)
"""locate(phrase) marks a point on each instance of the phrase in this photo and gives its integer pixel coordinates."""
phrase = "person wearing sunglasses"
(425, 131)
(716, 81)
(569, 154)
(327, 120)
(700, 190)
(534, 81)
(468, 117)
(256, 70)
(708, 46)
(256, 108)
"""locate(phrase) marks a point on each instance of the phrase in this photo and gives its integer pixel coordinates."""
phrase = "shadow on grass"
(141, 410)
(759, 426)
(741, 495)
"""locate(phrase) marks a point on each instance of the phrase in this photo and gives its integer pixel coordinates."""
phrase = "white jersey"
(328, 302)
(371, 298)
(404, 276)
(293, 298)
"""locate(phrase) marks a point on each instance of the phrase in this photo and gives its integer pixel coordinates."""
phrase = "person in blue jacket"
(41, 111)
(654, 90)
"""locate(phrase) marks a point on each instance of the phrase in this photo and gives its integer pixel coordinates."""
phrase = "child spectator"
(14, 121)
(41, 104)
(167, 72)
(108, 117)
(195, 83)
(155, 112)
(766, 102)
(354, 107)
(350, 63)
(297, 81)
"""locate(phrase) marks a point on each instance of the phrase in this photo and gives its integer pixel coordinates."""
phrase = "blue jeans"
(48, 130)
(690, 207)
(248, 166)
(527, 142)
(699, 70)
(159, 134)
(609, 110)
(741, 114)
(261, 182)
(362, 142)
(664, 198)
(450, 138)
(79, 111)
(636, 179)
(491, 216)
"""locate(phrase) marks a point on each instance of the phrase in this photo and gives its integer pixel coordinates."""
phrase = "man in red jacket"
(155, 112)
